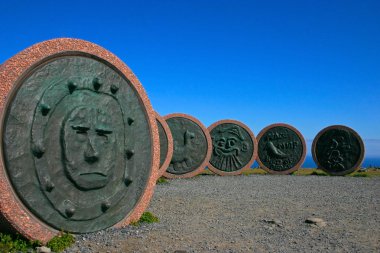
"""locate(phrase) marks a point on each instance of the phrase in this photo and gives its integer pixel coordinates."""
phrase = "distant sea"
(309, 162)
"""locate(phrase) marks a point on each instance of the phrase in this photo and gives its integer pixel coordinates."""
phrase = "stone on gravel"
(316, 221)
(43, 249)
(274, 222)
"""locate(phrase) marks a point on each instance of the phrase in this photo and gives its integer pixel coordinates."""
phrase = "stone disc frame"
(204, 130)
(297, 165)
(248, 165)
(167, 134)
(12, 210)
(355, 167)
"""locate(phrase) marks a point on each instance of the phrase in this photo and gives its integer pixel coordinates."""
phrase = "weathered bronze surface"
(338, 150)
(280, 148)
(190, 145)
(232, 147)
(70, 136)
(163, 143)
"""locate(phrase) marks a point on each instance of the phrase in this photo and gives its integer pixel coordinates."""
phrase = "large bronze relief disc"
(281, 149)
(234, 147)
(338, 150)
(77, 140)
(191, 146)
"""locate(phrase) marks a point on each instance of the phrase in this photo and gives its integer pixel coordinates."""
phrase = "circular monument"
(281, 149)
(234, 147)
(191, 146)
(166, 144)
(79, 140)
(338, 150)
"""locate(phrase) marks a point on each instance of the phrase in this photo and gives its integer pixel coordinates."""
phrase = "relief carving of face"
(227, 145)
(89, 147)
(229, 142)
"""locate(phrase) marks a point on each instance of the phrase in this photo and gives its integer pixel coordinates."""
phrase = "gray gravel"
(256, 213)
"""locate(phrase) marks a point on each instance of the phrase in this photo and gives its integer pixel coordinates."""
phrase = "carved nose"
(90, 155)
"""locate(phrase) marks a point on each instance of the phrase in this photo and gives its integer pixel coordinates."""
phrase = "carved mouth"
(87, 179)
(91, 180)
(229, 151)
(93, 175)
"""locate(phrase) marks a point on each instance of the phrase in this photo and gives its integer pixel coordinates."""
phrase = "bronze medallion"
(191, 146)
(338, 150)
(281, 149)
(77, 139)
(234, 147)
(166, 144)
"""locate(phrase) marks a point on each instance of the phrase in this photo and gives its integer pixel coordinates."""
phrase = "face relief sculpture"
(79, 148)
(234, 147)
(228, 144)
(89, 147)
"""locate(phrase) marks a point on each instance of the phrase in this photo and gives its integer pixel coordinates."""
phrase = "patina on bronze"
(338, 150)
(77, 138)
(281, 149)
(234, 147)
(191, 146)
(166, 144)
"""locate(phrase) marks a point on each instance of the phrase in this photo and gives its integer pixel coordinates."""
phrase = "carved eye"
(231, 142)
(103, 132)
(80, 129)
(220, 143)
(244, 147)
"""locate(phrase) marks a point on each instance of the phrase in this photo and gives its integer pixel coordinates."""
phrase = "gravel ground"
(256, 213)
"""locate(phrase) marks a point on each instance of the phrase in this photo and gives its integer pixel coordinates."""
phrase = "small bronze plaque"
(338, 150)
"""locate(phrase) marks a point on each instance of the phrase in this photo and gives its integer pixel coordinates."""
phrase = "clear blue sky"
(306, 63)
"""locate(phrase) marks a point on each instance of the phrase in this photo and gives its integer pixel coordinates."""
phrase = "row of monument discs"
(228, 147)
(82, 147)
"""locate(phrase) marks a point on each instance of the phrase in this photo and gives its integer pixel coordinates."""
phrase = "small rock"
(316, 221)
(43, 249)
(274, 222)
(313, 220)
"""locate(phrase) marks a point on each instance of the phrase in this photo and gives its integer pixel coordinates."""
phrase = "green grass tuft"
(255, 171)
(61, 242)
(146, 217)
(162, 180)
(360, 174)
(318, 173)
(206, 172)
(15, 243)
